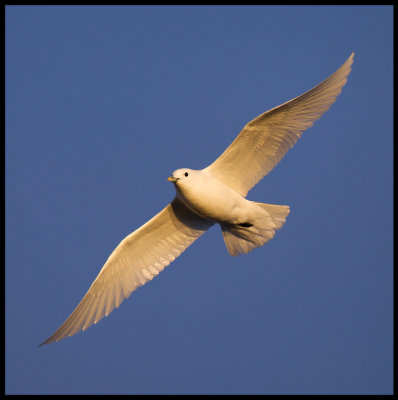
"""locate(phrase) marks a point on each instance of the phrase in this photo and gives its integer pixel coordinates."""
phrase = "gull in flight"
(215, 194)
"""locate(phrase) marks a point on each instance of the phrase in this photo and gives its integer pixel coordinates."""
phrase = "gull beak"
(172, 179)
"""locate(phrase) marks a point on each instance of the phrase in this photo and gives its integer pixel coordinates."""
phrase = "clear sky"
(102, 104)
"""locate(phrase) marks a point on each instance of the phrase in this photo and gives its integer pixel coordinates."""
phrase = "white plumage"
(215, 194)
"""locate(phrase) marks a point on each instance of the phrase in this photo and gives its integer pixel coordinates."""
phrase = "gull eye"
(186, 174)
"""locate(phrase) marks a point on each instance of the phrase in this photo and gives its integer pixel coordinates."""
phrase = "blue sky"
(102, 104)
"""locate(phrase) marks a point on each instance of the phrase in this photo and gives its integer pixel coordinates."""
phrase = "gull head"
(180, 176)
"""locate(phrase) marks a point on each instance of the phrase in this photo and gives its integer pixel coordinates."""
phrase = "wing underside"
(136, 260)
(265, 140)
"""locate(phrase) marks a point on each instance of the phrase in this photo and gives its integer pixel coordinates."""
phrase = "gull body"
(218, 202)
(213, 195)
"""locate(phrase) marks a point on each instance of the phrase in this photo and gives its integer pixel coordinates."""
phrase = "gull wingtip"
(43, 343)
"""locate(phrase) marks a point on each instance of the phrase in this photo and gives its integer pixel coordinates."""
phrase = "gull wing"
(265, 140)
(136, 260)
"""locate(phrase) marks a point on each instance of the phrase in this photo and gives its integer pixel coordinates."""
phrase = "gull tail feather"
(245, 237)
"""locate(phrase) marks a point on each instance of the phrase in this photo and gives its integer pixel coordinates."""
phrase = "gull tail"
(245, 237)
